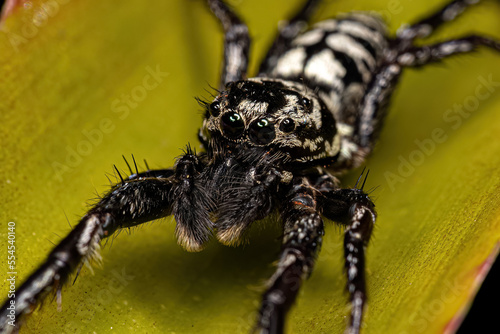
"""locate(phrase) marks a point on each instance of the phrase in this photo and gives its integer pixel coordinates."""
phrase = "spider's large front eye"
(262, 132)
(232, 125)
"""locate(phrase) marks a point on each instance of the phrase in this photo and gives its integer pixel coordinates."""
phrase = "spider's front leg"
(128, 204)
(132, 202)
(302, 237)
(353, 208)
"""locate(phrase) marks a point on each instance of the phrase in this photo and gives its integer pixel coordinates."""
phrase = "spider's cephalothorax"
(258, 132)
(272, 143)
(277, 114)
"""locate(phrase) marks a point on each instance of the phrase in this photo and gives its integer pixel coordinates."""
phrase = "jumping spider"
(272, 143)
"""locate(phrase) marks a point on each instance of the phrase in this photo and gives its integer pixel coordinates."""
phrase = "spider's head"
(273, 113)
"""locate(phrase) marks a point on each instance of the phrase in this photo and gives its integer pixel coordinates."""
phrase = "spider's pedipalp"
(248, 192)
(191, 203)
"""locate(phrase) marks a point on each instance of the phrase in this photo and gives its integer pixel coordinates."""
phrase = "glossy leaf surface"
(84, 82)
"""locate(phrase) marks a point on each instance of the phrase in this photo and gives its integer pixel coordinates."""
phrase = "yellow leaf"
(85, 82)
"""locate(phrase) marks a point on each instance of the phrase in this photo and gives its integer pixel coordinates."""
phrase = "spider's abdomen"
(336, 58)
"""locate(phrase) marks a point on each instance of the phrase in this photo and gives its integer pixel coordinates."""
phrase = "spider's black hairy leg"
(428, 25)
(302, 236)
(286, 34)
(373, 108)
(402, 53)
(420, 56)
(353, 208)
(236, 43)
(127, 204)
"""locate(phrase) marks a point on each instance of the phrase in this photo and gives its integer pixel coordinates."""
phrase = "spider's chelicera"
(272, 143)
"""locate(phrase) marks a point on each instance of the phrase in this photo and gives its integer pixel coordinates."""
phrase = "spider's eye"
(306, 103)
(262, 132)
(232, 125)
(214, 108)
(287, 125)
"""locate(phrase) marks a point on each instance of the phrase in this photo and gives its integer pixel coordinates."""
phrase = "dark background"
(485, 309)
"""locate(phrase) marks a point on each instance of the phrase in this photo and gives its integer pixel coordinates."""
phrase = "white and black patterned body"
(331, 65)
(336, 59)
(272, 144)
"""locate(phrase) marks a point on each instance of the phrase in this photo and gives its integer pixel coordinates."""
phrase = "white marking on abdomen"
(328, 25)
(291, 63)
(347, 45)
(309, 38)
(361, 31)
(325, 69)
